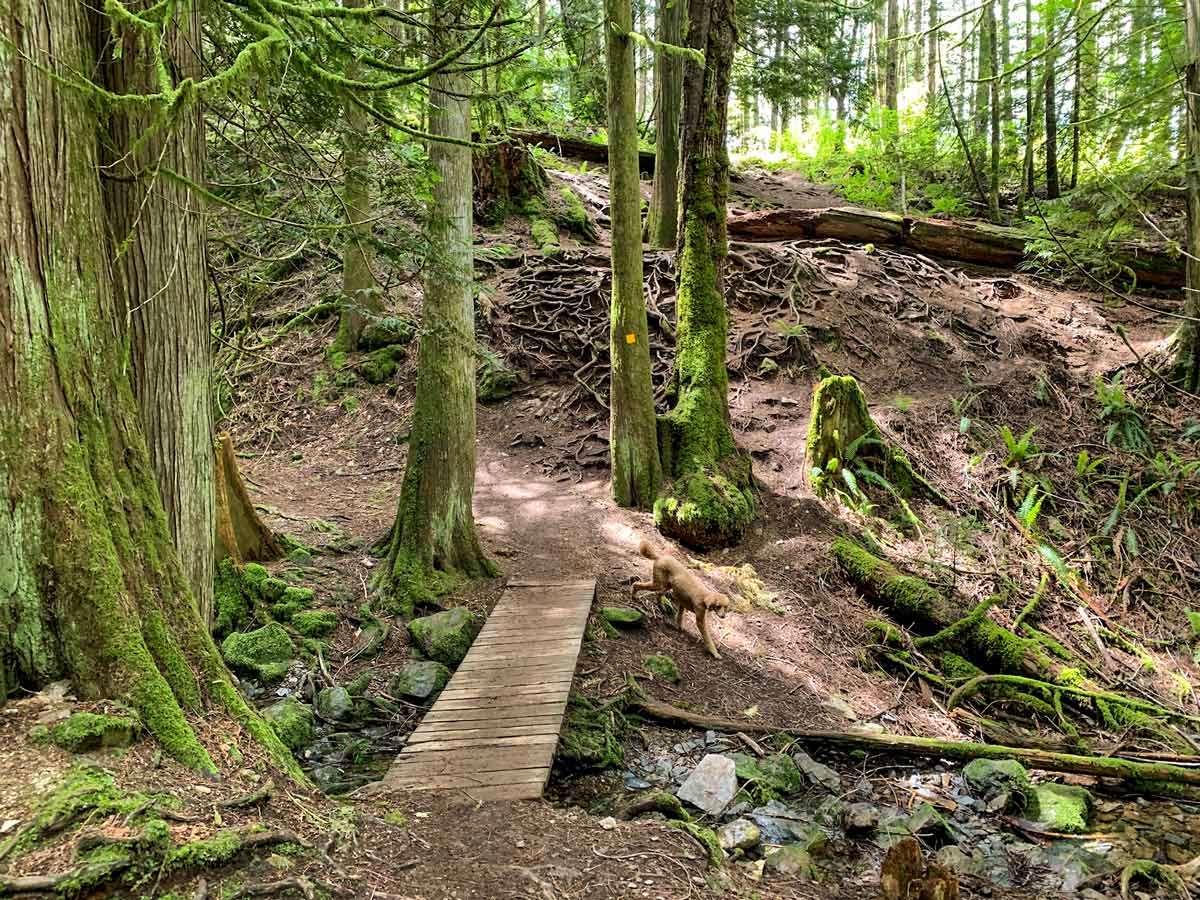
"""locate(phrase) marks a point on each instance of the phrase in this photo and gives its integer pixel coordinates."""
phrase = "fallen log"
(580, 148)
(972, 242)
(930, 748)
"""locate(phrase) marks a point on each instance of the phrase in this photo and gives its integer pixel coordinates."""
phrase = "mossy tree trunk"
(633, 435)
(360, 293)
(1187, 339)
(158, 224)
(1050, 89)
(91, 587)
(433, 539)
(662, 221)
(710, 502)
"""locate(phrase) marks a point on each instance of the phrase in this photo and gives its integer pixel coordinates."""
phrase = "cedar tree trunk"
(663, 218)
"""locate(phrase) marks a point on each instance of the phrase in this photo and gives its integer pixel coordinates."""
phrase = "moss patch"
(84, 732)
(380, 365)
(708, 508)
(292, 721)
(1060, 807)
(265, 653)
(591, 735)
(662, 666)
(315, 623)
(446, 636)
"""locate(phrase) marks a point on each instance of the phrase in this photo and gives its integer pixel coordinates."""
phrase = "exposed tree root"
(902, 745)
(300, 885)
(1172, 876)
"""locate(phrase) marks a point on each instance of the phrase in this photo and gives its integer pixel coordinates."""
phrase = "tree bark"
(91, 586)
(710, 502)
(158, 226)
(579, 148)
(994, 105)
(1187, 339)
(663, 218)
(633, 435)
(360, 297)
(931, 68)
(433, 539)
(241, 534)
(891, 91)
(1051, 105)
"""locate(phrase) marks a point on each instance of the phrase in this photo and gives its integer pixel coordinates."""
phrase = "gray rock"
(792, 862)
(780, 824)
(861, 818)
(711, 785)
(993, 779)
(419, 679)
(335, 704)
(818, 773)
(740, 834)
(840, 707)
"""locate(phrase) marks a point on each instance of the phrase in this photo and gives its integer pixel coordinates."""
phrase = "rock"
(662, 666)
(621, 615)
(777, 772)
(818, 773)
(84, 732)
(956, 860)
(265, 653)
(419, 679)
(1059, 807)
(315, 623)
(292, 721)
(445, 636)
(740, 834)
(841, 707)
(711, 785)
(380, 365)
(335, 704)
(861, 818)
(995, 781)
(386, 332)
(495, 382)
(792, 862)
(608, 823)
(780, 824)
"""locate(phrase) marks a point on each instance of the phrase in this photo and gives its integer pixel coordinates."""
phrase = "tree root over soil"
(980, 654)
(1144, 773)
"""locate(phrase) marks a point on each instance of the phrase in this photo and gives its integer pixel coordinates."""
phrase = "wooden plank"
(503, 651)
(456, 743)
(473, 760)
(472, 708)
(505, 792)
(484, 729)
(513, 722)
(505, 777)
(507, 692)
(483, 667)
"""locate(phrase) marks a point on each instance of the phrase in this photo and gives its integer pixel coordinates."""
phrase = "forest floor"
(934, 346)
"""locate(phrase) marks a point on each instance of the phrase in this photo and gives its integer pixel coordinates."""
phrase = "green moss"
(315, 623)
(84, 732)
(384, 332)
(292, 721)
(380, 365)
(229, 604)
(662, 666)
(205, 854)
(283, 612)
(274, 589)
(545, 236)
(1193, 620)
(1062, 808)
(706, 838)
(709, 507)
(885, 633)
(255, 577)
(1070, 676)
(265, 653)
(446, 636)
(621, 615)
(591, 734)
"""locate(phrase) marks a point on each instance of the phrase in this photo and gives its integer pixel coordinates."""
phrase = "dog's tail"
(647, 550)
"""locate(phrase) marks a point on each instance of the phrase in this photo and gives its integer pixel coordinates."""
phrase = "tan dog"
(688, 593)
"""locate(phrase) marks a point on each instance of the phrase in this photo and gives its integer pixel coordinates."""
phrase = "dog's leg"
(702, 625)
(678, 613)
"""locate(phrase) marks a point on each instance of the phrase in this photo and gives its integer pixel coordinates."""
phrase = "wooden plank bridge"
(491, 733)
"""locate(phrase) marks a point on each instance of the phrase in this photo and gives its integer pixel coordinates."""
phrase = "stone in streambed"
(335, 704)
(445, 636)
(711, 785)
(818, 773)
(265, 653)
(292, 721)
(419, 679)
(792, 862)
(995, 781)
(1061, 808)
(740, 834)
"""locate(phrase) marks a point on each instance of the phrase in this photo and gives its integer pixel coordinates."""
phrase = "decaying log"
(580, 148)
(241, 534)
(972, 242)
(930, 748)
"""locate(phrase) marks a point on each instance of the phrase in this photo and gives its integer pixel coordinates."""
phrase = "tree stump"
(241, 534)
(507, 177)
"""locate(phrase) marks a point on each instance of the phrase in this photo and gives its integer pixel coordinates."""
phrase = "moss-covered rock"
(335, 704)
(1062, 808)
(494, 382)
(315, 623)
(662, 666)
(568, 211)
(229, 605)
(591, 734)
(708, 508)
(389, 331)
(545, 236)
(992, 778)
(380, 365)
(792, 861)
(292, 721)
(84, 732)
(419, 679)
(706, 838)
(265, 653)
(621, 615)
(445, 636)
(778, 772)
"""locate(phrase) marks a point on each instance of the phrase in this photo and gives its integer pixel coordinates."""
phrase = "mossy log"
(580, 148)
(965, 241)
(930, 748)
(241, 534)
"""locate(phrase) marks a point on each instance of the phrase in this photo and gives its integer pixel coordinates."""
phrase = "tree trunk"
(1051, 104)
(1031, 110)
(918, 72)
(433, 539)
(91, 586)
(360, 295)
(663, 218)
(241, 534)
(710, 502)
(994, 98)
(931, 67)
(983, 71)
(891, 91)
(160, 274)
(1187, 339)
(633, 437)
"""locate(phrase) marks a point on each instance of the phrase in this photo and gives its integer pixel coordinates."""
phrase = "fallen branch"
(930, 748)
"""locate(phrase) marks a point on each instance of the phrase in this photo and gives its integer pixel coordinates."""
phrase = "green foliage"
(1126, 428)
